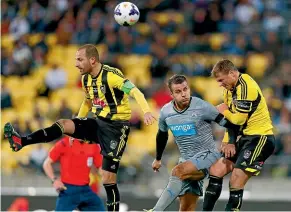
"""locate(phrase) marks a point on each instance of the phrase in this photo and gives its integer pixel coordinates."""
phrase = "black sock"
(43, 135)
(235, 199)
(113, 197)
(212, 192)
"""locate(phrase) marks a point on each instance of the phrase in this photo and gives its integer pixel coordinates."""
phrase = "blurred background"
(40, 84)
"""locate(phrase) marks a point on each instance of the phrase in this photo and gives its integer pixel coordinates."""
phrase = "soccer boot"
(13, 137)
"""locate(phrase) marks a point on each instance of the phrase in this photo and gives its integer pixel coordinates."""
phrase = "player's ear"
(92, 61)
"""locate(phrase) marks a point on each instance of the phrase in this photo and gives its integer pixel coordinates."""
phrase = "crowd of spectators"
(168, 31)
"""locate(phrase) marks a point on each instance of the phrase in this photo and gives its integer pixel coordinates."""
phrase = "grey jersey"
(191, 128)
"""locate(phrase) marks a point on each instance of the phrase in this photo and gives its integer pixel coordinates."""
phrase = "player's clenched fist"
(222, 107)
(149, 119)
(156, 165)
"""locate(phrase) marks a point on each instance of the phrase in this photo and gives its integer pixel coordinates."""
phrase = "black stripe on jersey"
(255, 105)
(108, 95)
(118, 95)
(95, 88)
(85, 82)
(243, 89)
(113, 70)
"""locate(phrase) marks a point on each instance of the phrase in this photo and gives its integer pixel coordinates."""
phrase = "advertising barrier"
(131, 203)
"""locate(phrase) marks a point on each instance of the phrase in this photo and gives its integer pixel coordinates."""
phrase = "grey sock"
(169, 194)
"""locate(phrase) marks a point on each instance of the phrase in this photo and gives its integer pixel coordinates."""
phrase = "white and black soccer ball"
(126, 14)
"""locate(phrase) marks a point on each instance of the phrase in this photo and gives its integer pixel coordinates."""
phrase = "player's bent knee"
(177, 171)
(190, 207)
(108, 177)
(239, 178)
(221, 168)
(68, 125)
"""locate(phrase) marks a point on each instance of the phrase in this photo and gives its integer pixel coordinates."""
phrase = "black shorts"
(111, 135)
(253, 151)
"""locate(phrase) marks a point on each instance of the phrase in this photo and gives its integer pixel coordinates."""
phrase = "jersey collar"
(98, 73)
(237, 83)
(181, 111)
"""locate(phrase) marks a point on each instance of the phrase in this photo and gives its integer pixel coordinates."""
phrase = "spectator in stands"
(95, 27)
(36, 18)
(141, 45)
(56, 78)
(52, 20)
(273, 21)
(42, 44)
(38, 57)
(135, 121)
(238, 47)
(245, 12)
(22, 56)
(65, 112)
(81, 34)
(286, 141)
(4, 61)
(255, 45)
(66, 28)
(19, 27)
(6, 99)
(37, 157)
(162, 96)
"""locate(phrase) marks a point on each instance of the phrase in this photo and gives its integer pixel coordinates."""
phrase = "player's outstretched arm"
(129, 88)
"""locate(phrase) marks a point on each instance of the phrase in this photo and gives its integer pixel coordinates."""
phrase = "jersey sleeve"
(97, 156)
(116, 79)
(87, 95)
(162, 121)
(57, 150)
(210, 113)
(246, 95)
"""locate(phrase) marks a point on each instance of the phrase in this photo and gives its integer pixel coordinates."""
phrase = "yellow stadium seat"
(216, 41)
(13, 82)
(33, 39)
(39, 74)
(257, 64)
(213, 94)
(7, 42)
(51, 40)
(178, 18)
(172, 40)
(238, 61)
(199, 84)
(8, 115)
(73, 101)
(161, 18)
(143, 28)
(56, 55)
(43, 104)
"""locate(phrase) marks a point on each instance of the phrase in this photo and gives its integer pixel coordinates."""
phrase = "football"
(126, 14)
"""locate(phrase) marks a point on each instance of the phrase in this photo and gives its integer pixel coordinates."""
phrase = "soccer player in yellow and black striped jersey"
(245, 106)
(106, 95)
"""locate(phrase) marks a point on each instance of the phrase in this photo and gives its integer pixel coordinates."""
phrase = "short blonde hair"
(223, 66)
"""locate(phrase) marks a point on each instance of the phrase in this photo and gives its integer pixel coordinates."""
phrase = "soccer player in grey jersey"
(189, 119)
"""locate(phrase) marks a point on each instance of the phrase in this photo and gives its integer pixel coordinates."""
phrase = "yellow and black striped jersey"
(247, 97)
(104, 91)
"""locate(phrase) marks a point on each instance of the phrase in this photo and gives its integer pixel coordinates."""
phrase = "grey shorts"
(205, 159)
(192, 187)
(202, 160)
